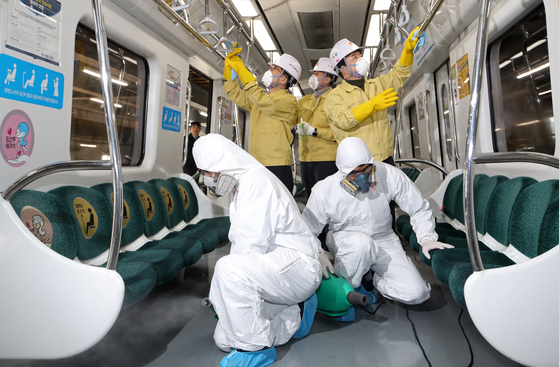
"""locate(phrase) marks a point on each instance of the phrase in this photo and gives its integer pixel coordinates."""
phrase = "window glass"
(521, 88)
(414, 132)
(129, 74)
(446, 119)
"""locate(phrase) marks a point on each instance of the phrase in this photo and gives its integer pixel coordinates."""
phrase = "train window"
(414, 132)
(521, 96)
(446, 119)
(129, 72)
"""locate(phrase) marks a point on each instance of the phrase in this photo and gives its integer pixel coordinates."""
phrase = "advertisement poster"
(34, 28)
(173, 87)
(463, 71)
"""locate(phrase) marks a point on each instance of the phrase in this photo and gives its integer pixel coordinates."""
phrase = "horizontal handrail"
(411, 166)
(430, 16)
(515, 157)
(424, 161)
(48, 169)
(175, 16)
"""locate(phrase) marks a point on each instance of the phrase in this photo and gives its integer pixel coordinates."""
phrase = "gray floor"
(172, 328)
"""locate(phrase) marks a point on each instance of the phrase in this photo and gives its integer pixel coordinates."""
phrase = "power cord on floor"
(375, 311)
(417, 338)
(467, 340)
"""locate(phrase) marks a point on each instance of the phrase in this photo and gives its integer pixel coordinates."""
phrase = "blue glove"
(422, 40)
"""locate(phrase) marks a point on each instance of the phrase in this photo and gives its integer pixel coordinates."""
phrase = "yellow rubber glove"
(236, 51)
(237, 64)
(406, 59)
(379, 102)
(227, 70)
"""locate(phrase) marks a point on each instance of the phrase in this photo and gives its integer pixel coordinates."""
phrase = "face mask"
(363, 181)
(267, 79)
(361, 67)
(221, 185)
(313, 82)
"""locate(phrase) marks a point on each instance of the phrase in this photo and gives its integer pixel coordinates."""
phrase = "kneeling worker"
(354, 202)
(274, 263)
(272, 113)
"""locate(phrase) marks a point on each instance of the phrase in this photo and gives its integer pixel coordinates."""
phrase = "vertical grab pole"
(398, 126)
(469, 218)
(185, 152)
(114, 149)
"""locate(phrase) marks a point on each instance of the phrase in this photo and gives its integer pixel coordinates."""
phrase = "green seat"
(155, 214)
(211, 231)
(173, 201)
(93, 215)
(454, 209)
(535, 212)
(139, 278)
(482, 193)
(64, 237)
(411, 173)
(495, 222)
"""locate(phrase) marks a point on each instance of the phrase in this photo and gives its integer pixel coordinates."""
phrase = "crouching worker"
(354, 202)
(263, 291)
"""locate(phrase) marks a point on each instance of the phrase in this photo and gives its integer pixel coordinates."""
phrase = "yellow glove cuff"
(363, 111)
(406, 59)
(245, 76)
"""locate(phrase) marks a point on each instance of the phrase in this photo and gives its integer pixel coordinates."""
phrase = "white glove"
(429, 245)
(305, 129)
(326, 265)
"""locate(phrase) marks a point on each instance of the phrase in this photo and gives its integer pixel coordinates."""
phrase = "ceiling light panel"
(245, 8)
(318, 29)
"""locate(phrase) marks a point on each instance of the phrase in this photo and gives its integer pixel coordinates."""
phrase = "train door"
(420, 113)
(445, 111)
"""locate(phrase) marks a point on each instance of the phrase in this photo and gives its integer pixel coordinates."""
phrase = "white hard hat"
(289, 64)
(341, 49)
(324, 65)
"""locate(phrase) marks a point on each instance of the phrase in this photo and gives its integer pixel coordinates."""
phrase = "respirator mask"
(221, 184)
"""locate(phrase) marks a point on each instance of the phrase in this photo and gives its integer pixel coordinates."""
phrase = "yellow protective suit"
(272, 116)
(323, 147)
(375, 130)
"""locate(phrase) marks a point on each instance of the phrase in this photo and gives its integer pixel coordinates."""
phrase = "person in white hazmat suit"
(274, 263)
(354, 202)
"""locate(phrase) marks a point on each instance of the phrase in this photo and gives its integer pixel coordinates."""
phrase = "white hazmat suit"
(273, 264)
(360, 235)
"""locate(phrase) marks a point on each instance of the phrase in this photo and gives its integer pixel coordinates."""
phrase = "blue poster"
(171, 120)
(30, 83)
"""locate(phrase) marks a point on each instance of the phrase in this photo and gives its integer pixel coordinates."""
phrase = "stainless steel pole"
(477, 80)
(114, 149)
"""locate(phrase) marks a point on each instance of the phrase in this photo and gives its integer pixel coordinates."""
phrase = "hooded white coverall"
(273, 264)
(360, 235)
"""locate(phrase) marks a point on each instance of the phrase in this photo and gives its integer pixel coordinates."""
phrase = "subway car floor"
(171, 327)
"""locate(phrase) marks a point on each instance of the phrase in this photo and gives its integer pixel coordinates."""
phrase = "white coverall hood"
(216, 153)
(352, 152)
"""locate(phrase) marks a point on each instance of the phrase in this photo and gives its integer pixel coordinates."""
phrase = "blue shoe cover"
(308, 317)
(372, 296)
(250, 359)
(349, 317)
(422, 40)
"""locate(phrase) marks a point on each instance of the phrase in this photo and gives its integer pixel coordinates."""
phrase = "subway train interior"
(473, 128)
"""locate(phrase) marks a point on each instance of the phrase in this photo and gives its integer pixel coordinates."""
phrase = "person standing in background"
(317, 144)
(272, 113)
(190, 167)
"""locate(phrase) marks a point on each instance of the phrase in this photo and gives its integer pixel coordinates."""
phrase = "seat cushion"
(166, 263)
(190, 248)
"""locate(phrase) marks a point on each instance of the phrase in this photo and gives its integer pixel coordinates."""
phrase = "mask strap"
(357, 75)
(275, 85)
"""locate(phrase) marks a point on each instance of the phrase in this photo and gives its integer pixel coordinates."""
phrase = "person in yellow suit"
(272, 113)
(358, 106)
(317, 144)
